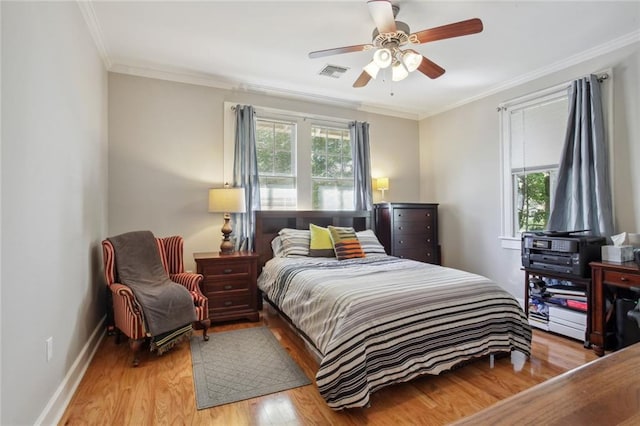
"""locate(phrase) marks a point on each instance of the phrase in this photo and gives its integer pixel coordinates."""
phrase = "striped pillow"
(295, 242)
(345, 243)
(370, 243)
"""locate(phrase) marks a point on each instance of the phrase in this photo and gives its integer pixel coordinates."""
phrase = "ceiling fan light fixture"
(372, 69)
(398, 71)
(383, 57)
(411, 59)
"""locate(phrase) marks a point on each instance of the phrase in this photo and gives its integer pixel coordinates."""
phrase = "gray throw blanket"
(166, 305)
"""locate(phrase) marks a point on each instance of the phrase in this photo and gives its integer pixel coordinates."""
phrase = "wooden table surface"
(603, 392)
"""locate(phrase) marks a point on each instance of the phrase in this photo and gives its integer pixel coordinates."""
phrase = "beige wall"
(54, 184)
(166, 150)
(460, 167)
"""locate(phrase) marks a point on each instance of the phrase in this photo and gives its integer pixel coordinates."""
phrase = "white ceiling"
(262, 46)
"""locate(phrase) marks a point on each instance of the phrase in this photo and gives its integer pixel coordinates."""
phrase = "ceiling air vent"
(334, 71)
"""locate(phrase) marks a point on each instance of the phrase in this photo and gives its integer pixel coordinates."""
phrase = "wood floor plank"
(161, 390)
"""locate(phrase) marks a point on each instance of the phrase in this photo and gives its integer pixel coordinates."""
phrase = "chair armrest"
(123, 292)
(190, 280)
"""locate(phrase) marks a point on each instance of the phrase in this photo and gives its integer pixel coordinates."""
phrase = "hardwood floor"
(160, 391)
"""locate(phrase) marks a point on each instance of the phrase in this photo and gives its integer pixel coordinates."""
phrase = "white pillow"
(295, 242)
(370, 243)
(276, 247)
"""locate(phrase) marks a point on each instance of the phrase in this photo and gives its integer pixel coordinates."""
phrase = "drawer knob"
(228, 287)
(227, 271)
(624, 279)
(428, 240)
(428, 226)
(228, 303)
(400, 242)
(400, 227)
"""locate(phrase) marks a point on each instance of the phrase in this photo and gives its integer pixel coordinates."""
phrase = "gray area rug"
(241, 364)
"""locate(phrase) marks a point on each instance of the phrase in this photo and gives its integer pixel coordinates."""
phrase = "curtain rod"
(315, 117)
(543, 92)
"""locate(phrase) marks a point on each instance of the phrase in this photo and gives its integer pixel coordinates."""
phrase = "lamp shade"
(398, 71)
(382, 184)
(411, 59)
(383, 57)
(226, 200)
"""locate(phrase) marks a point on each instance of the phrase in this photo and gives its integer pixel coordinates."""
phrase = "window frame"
(510, 238)
(303, 144)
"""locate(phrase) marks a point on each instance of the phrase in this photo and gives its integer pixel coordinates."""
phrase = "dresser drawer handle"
(428, 240)
(228, 287)
(428, 227)
(400, 242)
(228, 303)
(400, 228)
(624, 279)
(227, 271)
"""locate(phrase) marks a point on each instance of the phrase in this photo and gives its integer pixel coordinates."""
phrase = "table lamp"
(226, 200)
(382, 184)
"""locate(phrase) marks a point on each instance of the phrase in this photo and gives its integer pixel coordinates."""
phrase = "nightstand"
(230, 284)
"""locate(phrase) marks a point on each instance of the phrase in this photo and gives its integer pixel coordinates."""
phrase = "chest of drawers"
(408, 230)
(230, 284)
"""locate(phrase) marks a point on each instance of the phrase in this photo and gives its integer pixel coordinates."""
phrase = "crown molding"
(594, 52)
(89, 15)
(209, 80)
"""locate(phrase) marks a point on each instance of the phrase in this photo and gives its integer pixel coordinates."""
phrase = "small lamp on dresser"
(226, 200)
(382, 184)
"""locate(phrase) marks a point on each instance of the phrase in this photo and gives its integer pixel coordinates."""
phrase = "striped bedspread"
(383, 320)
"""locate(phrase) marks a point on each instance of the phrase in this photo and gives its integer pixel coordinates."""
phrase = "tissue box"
(617, 254)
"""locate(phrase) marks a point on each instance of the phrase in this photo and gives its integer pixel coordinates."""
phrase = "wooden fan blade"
(457, 29)
(362, 80)
(430, 69)
(382, 14)
(339, 50)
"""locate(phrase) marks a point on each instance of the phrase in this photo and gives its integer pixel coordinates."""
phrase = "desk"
(622, 275)
(602, 392)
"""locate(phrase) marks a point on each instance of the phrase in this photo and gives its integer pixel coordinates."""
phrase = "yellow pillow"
(321, 244)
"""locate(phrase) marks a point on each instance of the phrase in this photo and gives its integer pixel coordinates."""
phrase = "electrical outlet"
(49, 342)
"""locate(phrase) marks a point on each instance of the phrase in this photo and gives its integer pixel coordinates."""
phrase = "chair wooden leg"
(135, 346)
(205, 327)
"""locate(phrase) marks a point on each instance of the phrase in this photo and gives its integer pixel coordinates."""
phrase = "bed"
(377, 320)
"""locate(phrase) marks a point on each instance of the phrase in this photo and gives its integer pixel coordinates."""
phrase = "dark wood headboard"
(269, 222)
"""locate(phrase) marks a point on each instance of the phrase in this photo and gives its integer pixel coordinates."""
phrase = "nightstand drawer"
(221, 284)
(621, 278)
(222, 269)
(230, 300)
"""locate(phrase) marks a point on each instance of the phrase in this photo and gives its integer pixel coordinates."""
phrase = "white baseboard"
(56, 406)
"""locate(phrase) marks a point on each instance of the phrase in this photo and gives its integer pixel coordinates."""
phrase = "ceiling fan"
(388, 38)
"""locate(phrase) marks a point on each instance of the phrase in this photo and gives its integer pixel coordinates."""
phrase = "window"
(275, 149)
(331, 169)
(533, 132)
(304, 163)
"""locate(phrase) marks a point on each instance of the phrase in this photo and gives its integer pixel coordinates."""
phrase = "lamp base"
(226, 247)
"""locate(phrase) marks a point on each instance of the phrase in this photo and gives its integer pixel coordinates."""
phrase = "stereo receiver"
(567, 254)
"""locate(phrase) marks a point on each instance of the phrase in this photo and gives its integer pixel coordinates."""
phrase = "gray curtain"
(583, 195)
(362, 188)
(245, 175)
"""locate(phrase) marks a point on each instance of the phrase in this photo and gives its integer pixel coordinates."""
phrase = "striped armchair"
(127, 313)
